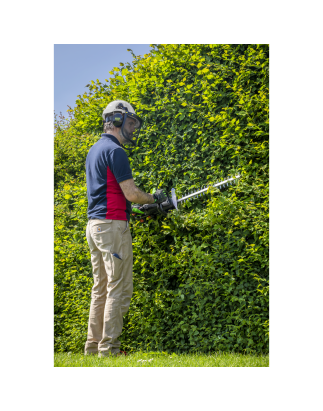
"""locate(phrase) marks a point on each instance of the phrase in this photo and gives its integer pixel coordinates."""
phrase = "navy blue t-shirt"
(107, 165)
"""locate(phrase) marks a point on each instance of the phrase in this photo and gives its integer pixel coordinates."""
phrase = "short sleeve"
(119, 165)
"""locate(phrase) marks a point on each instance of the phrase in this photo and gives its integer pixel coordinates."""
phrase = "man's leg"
(119, 288)
(127, 271)
(107, 237)
(98, 296)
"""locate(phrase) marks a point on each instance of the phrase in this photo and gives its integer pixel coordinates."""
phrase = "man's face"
(129, 128)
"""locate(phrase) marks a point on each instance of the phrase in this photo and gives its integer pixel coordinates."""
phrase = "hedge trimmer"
(147, 210)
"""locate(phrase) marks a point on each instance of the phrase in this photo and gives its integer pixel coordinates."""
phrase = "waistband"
(103, 219)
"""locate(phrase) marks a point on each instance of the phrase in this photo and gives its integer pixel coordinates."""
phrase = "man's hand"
(160, 196)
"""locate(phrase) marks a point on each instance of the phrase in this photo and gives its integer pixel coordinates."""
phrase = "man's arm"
(134, 194)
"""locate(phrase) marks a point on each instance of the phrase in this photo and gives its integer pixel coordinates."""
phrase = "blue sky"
(75, 65)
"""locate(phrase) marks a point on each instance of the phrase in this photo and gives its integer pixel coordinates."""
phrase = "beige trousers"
(112, 289)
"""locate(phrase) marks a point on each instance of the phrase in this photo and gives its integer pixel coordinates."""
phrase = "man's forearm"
(134, 194)
(140, 197)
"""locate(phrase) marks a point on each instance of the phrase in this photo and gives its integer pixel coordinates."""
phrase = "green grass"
(161, 359)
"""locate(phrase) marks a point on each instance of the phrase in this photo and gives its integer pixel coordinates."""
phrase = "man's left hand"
(160, 196)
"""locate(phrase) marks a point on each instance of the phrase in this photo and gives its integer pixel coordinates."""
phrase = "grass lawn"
(161, 359)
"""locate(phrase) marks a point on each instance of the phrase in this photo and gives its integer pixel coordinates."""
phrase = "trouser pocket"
(114, 271)
(127, 224)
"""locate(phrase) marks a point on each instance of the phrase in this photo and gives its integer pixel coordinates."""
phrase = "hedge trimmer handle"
(136, 210)
(147, 210)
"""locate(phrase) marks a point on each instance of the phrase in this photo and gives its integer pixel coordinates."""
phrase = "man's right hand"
(160, 196)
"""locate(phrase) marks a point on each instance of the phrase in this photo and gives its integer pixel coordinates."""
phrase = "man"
(110, 191)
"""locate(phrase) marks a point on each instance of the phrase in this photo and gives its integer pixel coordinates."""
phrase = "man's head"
(121, 121)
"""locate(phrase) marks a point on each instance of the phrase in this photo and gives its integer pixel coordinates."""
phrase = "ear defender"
(117, 119)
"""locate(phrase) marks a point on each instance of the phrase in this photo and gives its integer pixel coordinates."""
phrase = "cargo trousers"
(110, 245)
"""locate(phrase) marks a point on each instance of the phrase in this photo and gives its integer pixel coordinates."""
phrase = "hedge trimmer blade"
(199, 193)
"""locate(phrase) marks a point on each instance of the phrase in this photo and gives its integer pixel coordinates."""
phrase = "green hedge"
(201, 279)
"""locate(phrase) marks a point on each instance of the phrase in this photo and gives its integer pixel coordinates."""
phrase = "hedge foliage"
(201, 275)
